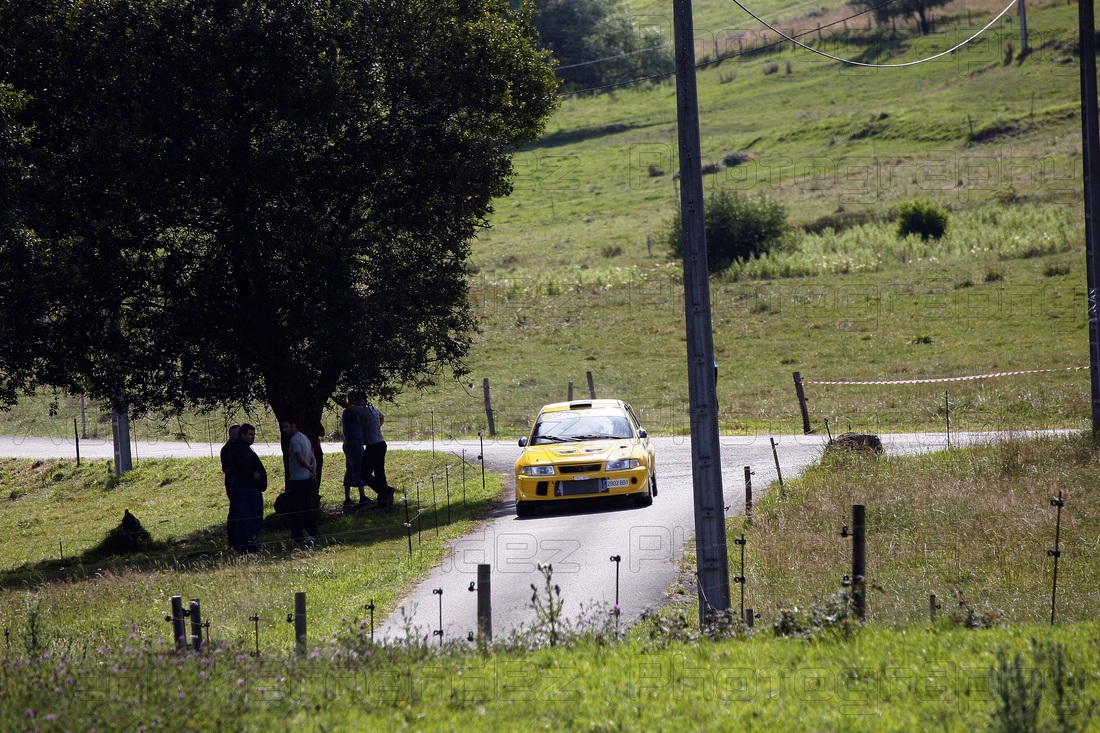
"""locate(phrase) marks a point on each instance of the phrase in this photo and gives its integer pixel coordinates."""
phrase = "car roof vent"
(576, 405)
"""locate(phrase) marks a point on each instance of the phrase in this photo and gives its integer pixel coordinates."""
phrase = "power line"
(876, 66)
(612, 58)
(704, 64)
(667, 44)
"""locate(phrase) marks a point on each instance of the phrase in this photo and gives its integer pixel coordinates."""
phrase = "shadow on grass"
(568, 137)
(206, 548)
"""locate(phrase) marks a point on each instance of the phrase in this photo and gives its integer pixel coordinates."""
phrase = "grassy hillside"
(573, 277)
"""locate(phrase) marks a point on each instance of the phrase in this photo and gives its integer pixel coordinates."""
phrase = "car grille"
(578, 488)
(586, 468)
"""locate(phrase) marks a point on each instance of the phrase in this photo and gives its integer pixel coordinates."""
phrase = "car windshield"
(569, 426)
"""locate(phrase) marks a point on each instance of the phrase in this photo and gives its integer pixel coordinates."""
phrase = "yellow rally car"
(585, 449)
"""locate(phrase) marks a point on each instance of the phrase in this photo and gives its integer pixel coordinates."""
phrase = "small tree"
(918, 9)
(596, 42)
(737, 228)
(921, 217)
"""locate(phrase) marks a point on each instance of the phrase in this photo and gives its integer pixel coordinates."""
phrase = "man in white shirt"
(301, 483)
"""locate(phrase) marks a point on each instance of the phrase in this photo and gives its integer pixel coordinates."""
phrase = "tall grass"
(971, 526)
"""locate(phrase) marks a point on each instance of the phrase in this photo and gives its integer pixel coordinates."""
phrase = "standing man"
(374, 454)
(353, 450)
(301, 482)
(248, 481)
(226, 455)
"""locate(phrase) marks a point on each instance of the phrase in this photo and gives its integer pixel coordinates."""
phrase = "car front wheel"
(524, 509)
(647, 498)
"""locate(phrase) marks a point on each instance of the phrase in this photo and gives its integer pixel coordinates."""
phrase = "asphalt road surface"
(578, 541)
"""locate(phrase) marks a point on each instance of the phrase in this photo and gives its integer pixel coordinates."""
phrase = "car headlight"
(537, 470)
(624, 463)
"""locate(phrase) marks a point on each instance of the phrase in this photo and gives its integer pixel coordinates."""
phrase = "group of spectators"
(246, 478)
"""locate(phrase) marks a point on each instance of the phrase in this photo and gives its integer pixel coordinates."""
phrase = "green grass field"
(572, 279)
(86, 645)
(56, 515)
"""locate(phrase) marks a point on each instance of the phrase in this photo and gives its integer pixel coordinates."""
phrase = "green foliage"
(922, 218)
(1040, 694)
(832, 617)
(281, 207)
(738, 228)
(596, 42)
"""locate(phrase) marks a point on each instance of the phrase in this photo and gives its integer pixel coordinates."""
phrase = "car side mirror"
(522, 442)
(642, 433)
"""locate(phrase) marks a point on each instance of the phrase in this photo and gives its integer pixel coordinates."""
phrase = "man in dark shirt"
(248, 481)
(226, 451)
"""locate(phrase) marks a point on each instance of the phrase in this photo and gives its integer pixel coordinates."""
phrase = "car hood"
(602, 450)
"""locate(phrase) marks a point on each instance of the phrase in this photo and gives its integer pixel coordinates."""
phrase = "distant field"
(574, 278)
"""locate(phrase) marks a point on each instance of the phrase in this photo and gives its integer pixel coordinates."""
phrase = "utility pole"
(120, 429)
(710, 520)
(1090, 146)
(1021, 10)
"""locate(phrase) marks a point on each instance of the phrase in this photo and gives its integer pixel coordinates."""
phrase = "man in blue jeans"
(247, 482)
(301, 483)
(374, 453)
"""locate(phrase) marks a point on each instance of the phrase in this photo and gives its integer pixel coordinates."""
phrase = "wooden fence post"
(802, 403)
(489, 407)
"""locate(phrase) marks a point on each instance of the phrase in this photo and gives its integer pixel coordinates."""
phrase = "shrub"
(920, 217)
(737, 228)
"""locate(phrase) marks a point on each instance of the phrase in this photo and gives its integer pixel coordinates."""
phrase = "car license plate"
(617, 483)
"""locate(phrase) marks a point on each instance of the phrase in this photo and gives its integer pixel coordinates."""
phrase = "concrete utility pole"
(120, 429)
(1090, 146)
(710, 520)
(1021, 9)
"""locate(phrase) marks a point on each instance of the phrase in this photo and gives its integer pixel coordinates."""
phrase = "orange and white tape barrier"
(948, 379)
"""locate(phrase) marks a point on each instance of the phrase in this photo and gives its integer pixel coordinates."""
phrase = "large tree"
(242, 201)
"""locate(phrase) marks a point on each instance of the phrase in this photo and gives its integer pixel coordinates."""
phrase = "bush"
(924, 218)
(737, 228)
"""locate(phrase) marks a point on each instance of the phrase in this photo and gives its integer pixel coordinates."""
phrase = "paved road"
(578, 543)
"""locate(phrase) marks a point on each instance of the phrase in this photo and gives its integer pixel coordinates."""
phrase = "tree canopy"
(225, 202)
(596, 42)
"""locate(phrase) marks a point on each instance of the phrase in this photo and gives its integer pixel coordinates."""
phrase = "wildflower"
(240, 683)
